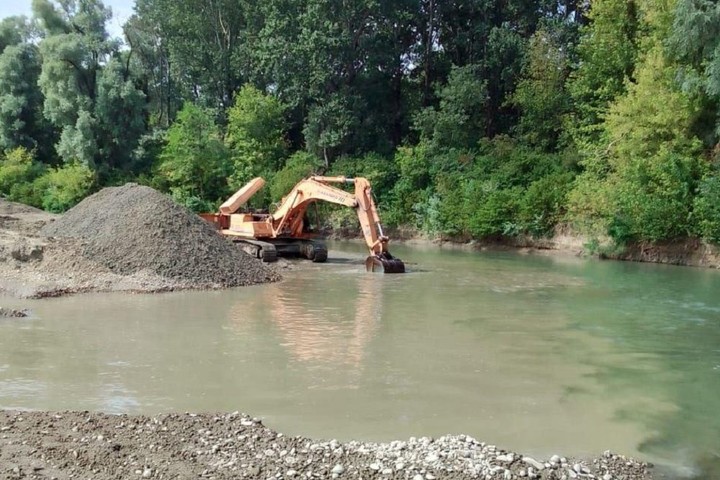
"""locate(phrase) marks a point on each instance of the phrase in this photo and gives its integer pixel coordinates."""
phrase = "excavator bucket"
(384, 263)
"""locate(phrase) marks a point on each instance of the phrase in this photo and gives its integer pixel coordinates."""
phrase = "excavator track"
(384, 263)
(263, 250)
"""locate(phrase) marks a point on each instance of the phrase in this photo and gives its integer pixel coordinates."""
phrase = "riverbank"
(64, 445)
(690, 252)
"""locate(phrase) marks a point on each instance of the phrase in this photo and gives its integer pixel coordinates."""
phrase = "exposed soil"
(130, 238)
(64, 445)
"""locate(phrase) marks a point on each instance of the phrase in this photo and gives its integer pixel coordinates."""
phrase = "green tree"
(195, 164)
(541, 95)
(695, 41)
(255, 135)
(459, 121)
(204, 41)
(607, 53)
(18, 171)
(640, 181)
(89, 93)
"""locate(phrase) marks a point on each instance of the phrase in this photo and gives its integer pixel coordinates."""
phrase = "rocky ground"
(64, 445)
(130, 238)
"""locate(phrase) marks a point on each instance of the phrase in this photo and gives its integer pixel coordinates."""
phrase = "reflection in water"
(318, 329)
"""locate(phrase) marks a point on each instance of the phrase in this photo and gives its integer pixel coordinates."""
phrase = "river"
(537, 354)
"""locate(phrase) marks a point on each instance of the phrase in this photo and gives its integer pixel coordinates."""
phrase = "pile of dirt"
(135, 229)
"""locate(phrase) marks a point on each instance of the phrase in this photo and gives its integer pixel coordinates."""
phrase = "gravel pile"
(135, 229)
(235, 446)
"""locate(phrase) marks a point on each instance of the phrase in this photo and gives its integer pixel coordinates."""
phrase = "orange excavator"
(286, 232)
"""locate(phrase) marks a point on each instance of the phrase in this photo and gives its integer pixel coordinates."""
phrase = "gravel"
(230, 446)
(134, 228)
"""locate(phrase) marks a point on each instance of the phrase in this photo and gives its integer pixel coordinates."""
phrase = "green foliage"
(413, 187)
(459, 122)
(62, 188)
(695, 41)
(541, 95)
(543, 206)
(195, 162)
(706, 208)
(639, 186)
(255, 135)
(18, 171)
(607, 51)
(299, 165)
(328, 125)
(379, 170)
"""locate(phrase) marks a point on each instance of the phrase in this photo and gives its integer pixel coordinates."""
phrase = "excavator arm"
(288, 218)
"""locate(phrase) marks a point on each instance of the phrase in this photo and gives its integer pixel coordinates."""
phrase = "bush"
(298, 166)
(543, 204)
(707, 208)
(18, 171)
(380, 171)
(64, 187)
(492, 212)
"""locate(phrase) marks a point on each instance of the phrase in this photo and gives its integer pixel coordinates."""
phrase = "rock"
(533, 463)
(607, 476)
(147, 473)
(338, 469)
(508, 458)
(432, 458)
(555, 459)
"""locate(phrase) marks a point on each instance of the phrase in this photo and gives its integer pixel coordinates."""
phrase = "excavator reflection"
(332, 336)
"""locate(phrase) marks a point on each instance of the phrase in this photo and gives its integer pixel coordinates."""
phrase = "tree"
(541, 95)
(89, 92)
(607, 53)
(195, 163)
(205, 42)
(695, 41)
(255, 134)
(460, 121)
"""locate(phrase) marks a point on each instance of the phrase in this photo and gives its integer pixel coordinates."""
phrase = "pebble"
(432, 458)
(147, 473)
(338, 469)
(533, 463)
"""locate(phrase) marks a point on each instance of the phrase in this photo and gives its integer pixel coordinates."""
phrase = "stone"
(533, 463)
(147, 473)
(338, 469)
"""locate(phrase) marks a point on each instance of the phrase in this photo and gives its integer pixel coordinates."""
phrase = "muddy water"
(537, 354)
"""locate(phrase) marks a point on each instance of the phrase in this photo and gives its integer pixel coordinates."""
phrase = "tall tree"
(90, 94)
(21, 120)
(205, 40)
(695, 41)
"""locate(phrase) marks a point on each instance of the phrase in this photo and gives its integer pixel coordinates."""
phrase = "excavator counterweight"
(284, 232)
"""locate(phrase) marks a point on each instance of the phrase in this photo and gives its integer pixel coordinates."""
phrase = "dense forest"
(472, 119)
